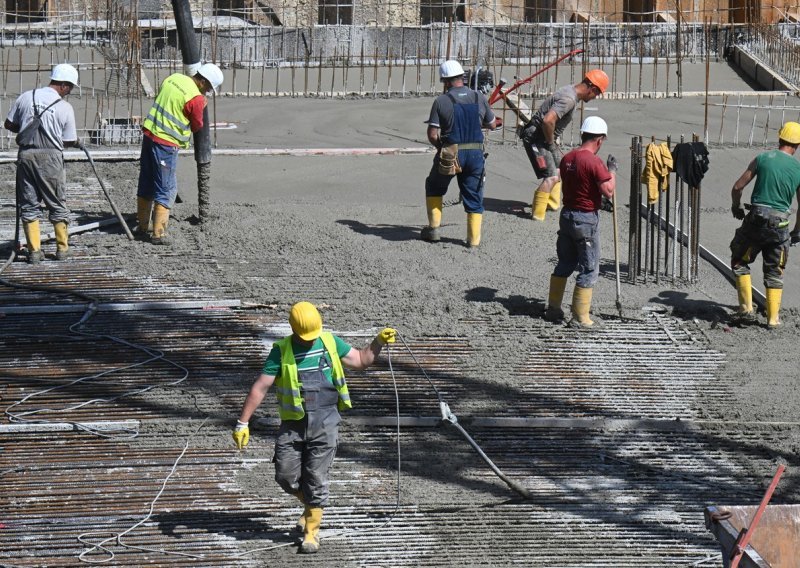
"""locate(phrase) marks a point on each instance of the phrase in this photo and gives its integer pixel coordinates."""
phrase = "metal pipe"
(202, 138)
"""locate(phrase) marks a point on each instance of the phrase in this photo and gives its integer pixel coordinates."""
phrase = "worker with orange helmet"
(765, 227)
(307, 369)
(540, 137)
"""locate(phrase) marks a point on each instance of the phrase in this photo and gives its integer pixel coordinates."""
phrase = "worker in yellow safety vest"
(176, 113)
(307, 369)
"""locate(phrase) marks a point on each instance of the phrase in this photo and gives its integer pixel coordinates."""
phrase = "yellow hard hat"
(305, 321)
(790, 132)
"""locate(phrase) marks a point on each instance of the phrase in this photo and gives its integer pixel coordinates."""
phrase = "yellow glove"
(241, 435)
(388, 335)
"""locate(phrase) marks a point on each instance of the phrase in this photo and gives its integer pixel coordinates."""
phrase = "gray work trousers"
(304, 452)
(41, 178)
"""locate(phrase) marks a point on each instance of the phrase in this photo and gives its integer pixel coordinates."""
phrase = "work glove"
(611, 163)
(241, 434)
(388, 335)
(795, 235)
(79, 145)
(738, 211)
(498, 122)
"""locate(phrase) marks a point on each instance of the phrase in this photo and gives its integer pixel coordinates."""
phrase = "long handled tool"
(449, 418)
(498, 93)
(108, 196)
(616, 251)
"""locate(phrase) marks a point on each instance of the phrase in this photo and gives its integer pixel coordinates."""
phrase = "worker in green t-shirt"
(307, 369)
(765, 228)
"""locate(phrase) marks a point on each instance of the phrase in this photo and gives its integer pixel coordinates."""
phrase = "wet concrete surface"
(343, 232)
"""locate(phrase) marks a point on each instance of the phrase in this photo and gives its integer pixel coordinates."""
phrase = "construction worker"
(454, 128)
(45, 125)
(176, 113)
(307, 370)
(765, 228)
(541, 137)
(586, 180)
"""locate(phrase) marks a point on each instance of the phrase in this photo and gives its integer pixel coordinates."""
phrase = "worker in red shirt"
(176, 113)
(586, 179)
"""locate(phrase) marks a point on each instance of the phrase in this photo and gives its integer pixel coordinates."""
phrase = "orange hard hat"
(598, 78)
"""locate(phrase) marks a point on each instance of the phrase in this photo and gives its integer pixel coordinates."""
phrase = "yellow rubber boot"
(581, 304)
(160, 222)
(774, 307)
(554, 201)
(300, 526)
(434, 207)
(34, 239)
(143, 211)
(540, 199)
(744, 289)
(311, 536)
(62, 240)
(554, 298)
(474, 229)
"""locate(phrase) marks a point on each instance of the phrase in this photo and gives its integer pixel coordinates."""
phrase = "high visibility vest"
(287, 384)
(166, 119)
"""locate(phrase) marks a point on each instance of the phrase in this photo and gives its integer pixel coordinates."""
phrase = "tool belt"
(763, 216)
(448, 160)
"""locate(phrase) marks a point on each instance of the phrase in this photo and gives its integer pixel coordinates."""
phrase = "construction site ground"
(621, 435)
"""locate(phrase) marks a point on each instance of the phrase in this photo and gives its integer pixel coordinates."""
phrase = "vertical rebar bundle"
(674, 219)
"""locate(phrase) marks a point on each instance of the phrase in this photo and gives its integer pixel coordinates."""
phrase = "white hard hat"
(450, 68)
(212, 74)
(65, 72)
(594, 125)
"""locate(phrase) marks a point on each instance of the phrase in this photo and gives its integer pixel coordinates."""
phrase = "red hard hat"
(598, 78)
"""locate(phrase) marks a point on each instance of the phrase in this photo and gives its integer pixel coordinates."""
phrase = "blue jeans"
(158, 173)
(578, 246)
(470, 180)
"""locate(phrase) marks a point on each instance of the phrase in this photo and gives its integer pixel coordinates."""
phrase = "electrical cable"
(118, 536)
(153, 355)
(121, 433)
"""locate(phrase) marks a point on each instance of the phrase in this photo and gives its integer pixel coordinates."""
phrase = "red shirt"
(582, 174)
(193, 111)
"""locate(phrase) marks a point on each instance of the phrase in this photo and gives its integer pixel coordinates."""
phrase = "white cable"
(102, 546)
(118, 536)
(153, 355)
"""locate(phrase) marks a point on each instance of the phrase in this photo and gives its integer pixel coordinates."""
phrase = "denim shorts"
(158, 179)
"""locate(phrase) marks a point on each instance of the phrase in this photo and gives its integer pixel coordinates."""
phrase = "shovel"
(616, 250)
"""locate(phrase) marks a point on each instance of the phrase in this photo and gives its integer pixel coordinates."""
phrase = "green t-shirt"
(307, 358)
(777, 180)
